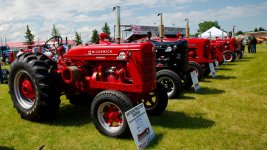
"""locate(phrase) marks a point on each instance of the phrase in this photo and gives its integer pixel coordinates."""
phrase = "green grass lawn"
(229, 112)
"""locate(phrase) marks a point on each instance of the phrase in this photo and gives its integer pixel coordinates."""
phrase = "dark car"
(5, 52)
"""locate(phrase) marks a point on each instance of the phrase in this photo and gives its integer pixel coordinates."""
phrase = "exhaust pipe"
(118, 25)
(233, 32)
(187, 33)
(161, 28)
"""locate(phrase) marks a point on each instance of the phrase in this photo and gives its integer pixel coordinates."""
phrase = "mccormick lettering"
(93, 52)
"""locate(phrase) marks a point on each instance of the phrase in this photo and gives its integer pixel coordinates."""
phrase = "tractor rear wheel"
(187, 80)
(108, 113)
(32, 86)
(207, 70)
(157, 101)
(171, 82)
(239, 54)
(194, 66)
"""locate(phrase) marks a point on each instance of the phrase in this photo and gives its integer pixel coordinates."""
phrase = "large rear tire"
(108, 113)
(194, 66)
(171, 82)
(32, 87)
(157, 101)
(239, 54)
(187, 80)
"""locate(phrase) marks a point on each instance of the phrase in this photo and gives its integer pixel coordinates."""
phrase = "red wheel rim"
(27, 89)
(110, 117)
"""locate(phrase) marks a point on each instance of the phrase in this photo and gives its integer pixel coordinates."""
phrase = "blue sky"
(86, 15)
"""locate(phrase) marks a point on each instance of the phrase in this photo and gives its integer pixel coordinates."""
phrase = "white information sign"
(140, 126)
(212, 70)
(217, 64)
(195, 80)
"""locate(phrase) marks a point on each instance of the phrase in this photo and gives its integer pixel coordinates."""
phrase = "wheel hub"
(27, 89)
(112, 116)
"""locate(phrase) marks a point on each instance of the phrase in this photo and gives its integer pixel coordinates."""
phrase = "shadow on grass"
(221, 77)
(225, 69)
(6, 148)
(156, 141)
(230, 64)
(173, 120)
(70, 115)
(183, 97)
(205, 91)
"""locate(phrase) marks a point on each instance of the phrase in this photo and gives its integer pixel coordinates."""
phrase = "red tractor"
(200, 55)
(217, 52)
(112, 77)
(229, 49)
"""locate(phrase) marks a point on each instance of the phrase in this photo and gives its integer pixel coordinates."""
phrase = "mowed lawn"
(229, 112)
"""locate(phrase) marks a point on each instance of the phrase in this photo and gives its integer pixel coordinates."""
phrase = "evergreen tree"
(239, 32)
(255, 30)
(78, 39)
(261, 29)
(95, 37)
(55, 31)
(106, 29)
(29, 37)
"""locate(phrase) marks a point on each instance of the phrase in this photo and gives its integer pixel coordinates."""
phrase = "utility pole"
(161, 28)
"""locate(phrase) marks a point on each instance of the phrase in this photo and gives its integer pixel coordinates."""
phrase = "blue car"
(5, 51)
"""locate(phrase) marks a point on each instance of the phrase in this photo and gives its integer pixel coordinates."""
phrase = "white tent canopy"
(215, 32)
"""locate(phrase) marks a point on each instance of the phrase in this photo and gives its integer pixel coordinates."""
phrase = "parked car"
(5, 51)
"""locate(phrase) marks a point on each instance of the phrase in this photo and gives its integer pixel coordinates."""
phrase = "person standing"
(249, 43)
(1, 76)
(253, 44)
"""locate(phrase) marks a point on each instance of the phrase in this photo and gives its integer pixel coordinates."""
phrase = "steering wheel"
(54, 47)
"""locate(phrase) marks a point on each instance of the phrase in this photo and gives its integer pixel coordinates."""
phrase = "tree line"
(29, 37)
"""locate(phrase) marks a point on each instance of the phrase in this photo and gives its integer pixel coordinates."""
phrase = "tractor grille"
(148, 66)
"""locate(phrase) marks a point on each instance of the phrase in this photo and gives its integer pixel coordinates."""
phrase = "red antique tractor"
(229, 49)
(112, 77)
(217, 52)
(200, 55)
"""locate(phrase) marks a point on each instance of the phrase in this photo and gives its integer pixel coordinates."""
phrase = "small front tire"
(108, 113)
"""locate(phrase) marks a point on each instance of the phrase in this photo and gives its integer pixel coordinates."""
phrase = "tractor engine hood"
(105, 51)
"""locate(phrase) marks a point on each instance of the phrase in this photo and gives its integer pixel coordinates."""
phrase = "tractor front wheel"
(229, 56)
(108, 113)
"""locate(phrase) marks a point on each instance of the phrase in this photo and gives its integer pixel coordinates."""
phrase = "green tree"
(29, 37)
(95, 37)
(106, 29)
(255, 30)
(55, 31)
(204, 26)
(261, 29)
(239, 32)
(78, 39)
